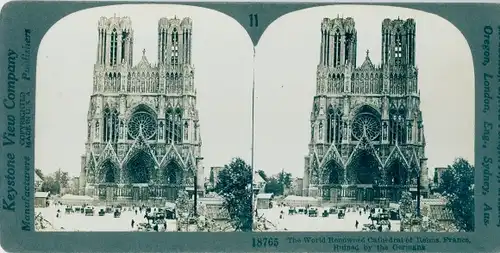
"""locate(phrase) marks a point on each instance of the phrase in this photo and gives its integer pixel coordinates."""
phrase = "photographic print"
(143, 121)
(364, 122)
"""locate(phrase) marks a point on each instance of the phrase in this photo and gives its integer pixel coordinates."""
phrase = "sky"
(222, 55)
(287, 57)
(285, 67)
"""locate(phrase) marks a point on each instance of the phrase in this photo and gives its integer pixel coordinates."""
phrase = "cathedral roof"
(367, 64)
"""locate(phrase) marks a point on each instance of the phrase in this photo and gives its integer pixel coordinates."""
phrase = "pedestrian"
(389, 226)
(357, 223)
(360, 212)
(132, 223)
(135, 211)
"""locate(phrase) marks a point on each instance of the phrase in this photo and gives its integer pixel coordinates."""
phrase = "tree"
(262, 174)
(285, 179)
(436, 178)
(211, 179)
(62, 177)
(39, 173)
(274, 186)
(51, 185)
(234, 186)
(457, 186)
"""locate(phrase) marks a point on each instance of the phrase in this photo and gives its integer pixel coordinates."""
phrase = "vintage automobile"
(301, 210)
(341, 214)
(146, 227)
(102, 212)
(325, 213)
(117, 213)
(292, 211)
(160, 215)
(313, 212)
(109, 209)
(68, 210)
(369, 228)
(78, 209)
(333, 210)
(89, 211)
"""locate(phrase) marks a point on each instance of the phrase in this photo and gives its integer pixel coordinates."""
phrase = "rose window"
(142, 122)
(366, 124)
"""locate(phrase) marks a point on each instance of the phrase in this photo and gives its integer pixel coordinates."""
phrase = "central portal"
(140, 168)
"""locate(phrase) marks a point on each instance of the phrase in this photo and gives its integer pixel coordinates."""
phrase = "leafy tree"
(211, 179)
(274, 186)
(39, 173)
(51, 185)
(457, 186)
(436, 178)
(285, 179)
(234, 186)
(262, 174)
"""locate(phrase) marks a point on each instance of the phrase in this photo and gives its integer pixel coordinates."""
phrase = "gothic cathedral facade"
(367, 135)
(143, 139)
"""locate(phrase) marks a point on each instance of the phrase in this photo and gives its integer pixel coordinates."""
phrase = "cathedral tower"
(143, 137)
(367, 140)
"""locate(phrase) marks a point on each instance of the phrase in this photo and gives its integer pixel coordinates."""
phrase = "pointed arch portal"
(364, 168)
(140, 168)
(173, 178)
(109, 172)
(333, 178)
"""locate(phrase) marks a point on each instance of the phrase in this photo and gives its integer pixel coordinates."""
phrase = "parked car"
(117, 213)
(325, 213)
(102, 212)
(313, 212)
(89, 211)
(341, 214)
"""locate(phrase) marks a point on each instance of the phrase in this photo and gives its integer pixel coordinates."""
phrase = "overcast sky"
(222, 55)
(287, 56)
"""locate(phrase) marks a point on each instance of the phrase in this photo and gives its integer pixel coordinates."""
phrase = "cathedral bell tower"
(143, 136)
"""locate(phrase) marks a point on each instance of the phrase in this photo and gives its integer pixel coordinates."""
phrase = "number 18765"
(265, 242)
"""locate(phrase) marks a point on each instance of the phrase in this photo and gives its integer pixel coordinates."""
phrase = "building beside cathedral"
(143, 139)
(367, 134)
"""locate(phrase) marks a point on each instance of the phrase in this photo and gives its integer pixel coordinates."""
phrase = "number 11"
(254, 20)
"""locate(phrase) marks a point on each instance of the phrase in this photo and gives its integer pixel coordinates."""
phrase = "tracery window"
(96, 130)
(349, 37)
(398, 48)
(169, 126)
(336, 41)
(124, 40)
(142, 122)
(114, 47)
(174, 126)
(174, 59)
(397, 127)
(177, 128)
(111, 124)
(334, 126)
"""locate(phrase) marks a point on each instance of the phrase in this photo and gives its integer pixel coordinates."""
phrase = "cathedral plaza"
(143, 140)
